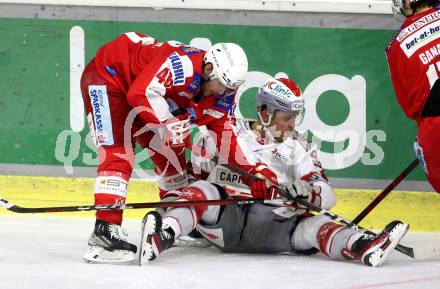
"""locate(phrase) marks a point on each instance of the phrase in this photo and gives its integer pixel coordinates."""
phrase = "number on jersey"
(432, 73)
(165, 77)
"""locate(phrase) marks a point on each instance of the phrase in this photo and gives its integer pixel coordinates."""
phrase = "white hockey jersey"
(293, 159)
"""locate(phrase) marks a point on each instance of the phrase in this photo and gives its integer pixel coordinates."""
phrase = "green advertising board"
(351, 107)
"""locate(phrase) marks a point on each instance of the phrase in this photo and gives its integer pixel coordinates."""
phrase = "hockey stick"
(386, 191)
(18, 209)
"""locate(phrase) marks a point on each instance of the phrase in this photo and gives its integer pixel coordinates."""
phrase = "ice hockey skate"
(108, 245)
(374, 250)
(155, 238)
(193, 239)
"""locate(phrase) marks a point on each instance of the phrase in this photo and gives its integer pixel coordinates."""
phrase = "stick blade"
(5, 204)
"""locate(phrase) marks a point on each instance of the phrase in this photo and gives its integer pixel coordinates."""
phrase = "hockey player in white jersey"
(268, 228)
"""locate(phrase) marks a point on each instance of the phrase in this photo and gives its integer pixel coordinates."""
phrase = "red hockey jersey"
(414, 60)
(162, 77)
(152, 72)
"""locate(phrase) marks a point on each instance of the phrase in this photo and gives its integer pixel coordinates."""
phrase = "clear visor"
(228, 84)
(297, 116)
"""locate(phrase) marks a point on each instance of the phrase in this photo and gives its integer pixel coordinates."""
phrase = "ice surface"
(46, 252)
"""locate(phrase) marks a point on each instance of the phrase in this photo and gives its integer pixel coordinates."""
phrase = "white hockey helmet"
(281, 94)
(229, 64)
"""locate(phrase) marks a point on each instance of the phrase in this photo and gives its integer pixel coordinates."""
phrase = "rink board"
(342, 72)
(420, 209)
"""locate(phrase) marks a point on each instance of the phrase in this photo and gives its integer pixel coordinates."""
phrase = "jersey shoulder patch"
(189, 50)
(225, 102)
(195, 84)
(214, 113)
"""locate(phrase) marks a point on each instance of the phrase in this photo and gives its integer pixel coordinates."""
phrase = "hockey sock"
(334, 238)
(110, 188)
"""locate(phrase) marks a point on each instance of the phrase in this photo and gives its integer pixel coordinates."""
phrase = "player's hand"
(177, 131)
(261, 190)
(300, 189)
(265, 186)
(263, 172)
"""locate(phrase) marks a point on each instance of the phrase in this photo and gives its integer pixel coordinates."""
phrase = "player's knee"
(209, 190)
(202, 191)
(116, 159)
(210, 215)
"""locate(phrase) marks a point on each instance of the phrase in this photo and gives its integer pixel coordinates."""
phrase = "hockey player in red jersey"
(414, 61)
(271, 227)
(139, 90)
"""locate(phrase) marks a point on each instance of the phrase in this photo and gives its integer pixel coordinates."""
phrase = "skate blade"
(149, 226)
(378, 257)
(98, 255)
(146, 255)
(186, 241)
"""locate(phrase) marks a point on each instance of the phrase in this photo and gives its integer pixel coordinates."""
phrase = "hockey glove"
(177, 131)
(265, 186)
(263, 172)
(260, 190)
(300, 189)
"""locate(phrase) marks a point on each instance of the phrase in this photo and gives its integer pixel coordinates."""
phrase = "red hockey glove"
(263, 172)
(260, 190)
(264, 188)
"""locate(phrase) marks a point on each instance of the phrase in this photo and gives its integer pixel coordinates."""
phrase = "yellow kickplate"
(419, 209)
(56, 192)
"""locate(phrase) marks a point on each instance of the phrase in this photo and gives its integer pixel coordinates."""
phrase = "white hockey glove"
(177, 131)
(300, 189)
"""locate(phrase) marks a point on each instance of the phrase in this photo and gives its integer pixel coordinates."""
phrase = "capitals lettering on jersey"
(228, 177)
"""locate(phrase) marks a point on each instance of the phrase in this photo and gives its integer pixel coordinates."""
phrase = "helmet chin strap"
(264, 124)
